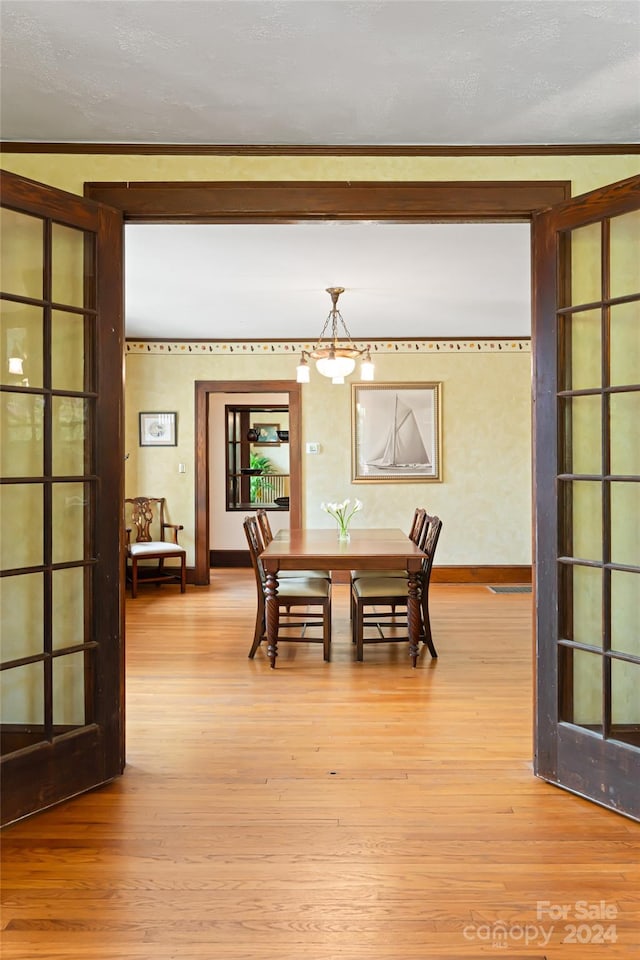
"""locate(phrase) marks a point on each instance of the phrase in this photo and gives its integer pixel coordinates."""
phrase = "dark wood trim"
(487, 573)
(611, 200)
(229, 558)
(30, 196)
(201, 431)
(31, 776)
(324, 150)
(590, 766)
(254, 201)
(285, 201)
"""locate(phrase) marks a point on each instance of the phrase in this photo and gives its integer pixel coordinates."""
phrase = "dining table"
(376, 548)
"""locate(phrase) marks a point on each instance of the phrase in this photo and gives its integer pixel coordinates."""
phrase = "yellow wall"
(70, 172)
(484, 498)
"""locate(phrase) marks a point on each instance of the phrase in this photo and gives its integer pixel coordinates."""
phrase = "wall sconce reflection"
(16, 366)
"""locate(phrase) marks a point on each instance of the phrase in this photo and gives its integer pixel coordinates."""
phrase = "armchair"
(155, 539)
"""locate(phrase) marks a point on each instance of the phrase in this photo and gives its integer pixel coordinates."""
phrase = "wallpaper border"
(261, 348)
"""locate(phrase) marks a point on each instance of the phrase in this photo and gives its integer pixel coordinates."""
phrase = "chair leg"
(353, 617)
(359, 626)
(260, 628)
(426, 623)
(183, 574)
(258, 634)
(326, 631)
(134, 578)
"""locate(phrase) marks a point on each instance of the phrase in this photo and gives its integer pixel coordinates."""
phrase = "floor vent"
(510, 589)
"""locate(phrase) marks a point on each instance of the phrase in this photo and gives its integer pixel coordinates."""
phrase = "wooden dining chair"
(372, 596)
(302, 593)
(265, 526)
(266, 536)
(418, 524)
(416, 532)
(155, 540)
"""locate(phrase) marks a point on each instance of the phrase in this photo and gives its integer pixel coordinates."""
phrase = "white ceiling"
(322, 72)
(334, 72)
(264, 281)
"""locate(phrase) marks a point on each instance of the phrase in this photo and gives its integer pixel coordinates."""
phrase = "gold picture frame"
(396, 432)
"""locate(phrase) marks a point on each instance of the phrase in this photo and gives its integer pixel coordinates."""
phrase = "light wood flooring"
(323, 811)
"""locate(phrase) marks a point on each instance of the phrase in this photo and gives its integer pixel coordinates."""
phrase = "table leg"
(272, 616)
(413, 616)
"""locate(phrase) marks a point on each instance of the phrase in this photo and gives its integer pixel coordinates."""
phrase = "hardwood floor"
(365, 811)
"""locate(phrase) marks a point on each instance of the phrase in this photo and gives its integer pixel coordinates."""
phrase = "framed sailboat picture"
(396, 432)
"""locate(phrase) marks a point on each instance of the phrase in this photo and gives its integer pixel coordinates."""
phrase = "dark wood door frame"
(291, 201)
(204, 389)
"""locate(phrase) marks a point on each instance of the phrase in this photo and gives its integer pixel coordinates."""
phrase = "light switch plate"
(313, 448)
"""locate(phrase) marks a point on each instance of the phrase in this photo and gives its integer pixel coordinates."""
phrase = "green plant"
(258, 484)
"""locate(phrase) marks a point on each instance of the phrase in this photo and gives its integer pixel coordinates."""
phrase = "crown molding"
(322, 150)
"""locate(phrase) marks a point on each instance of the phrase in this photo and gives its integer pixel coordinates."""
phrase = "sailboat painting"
(396, 432)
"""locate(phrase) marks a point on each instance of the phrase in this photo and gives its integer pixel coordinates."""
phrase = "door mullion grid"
(605, 353)
(47, 484)
(564, 456)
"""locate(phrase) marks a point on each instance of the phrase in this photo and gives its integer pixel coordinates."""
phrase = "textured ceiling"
(379, 72)
(342, 73)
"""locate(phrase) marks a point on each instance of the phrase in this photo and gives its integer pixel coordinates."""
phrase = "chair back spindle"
(265, 527)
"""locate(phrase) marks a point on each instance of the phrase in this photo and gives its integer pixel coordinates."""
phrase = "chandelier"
(334, 359)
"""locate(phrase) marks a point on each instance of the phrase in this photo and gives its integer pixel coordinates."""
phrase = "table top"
(368, 549)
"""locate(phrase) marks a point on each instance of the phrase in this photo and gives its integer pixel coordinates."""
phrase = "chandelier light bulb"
(367, 368)
(302, 370)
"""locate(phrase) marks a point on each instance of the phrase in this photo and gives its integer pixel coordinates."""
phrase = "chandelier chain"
(335, 356)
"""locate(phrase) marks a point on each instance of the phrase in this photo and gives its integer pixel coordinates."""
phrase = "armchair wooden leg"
(183, 574)
(134, 578)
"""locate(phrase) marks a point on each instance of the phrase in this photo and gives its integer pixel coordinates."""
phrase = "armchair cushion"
(155, 548)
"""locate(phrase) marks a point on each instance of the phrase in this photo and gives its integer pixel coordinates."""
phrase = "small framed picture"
(267, 433)
(158, 429)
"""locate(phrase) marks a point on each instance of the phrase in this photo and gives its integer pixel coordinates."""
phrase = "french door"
(61, 677)
(62, 670)
(587, 494)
